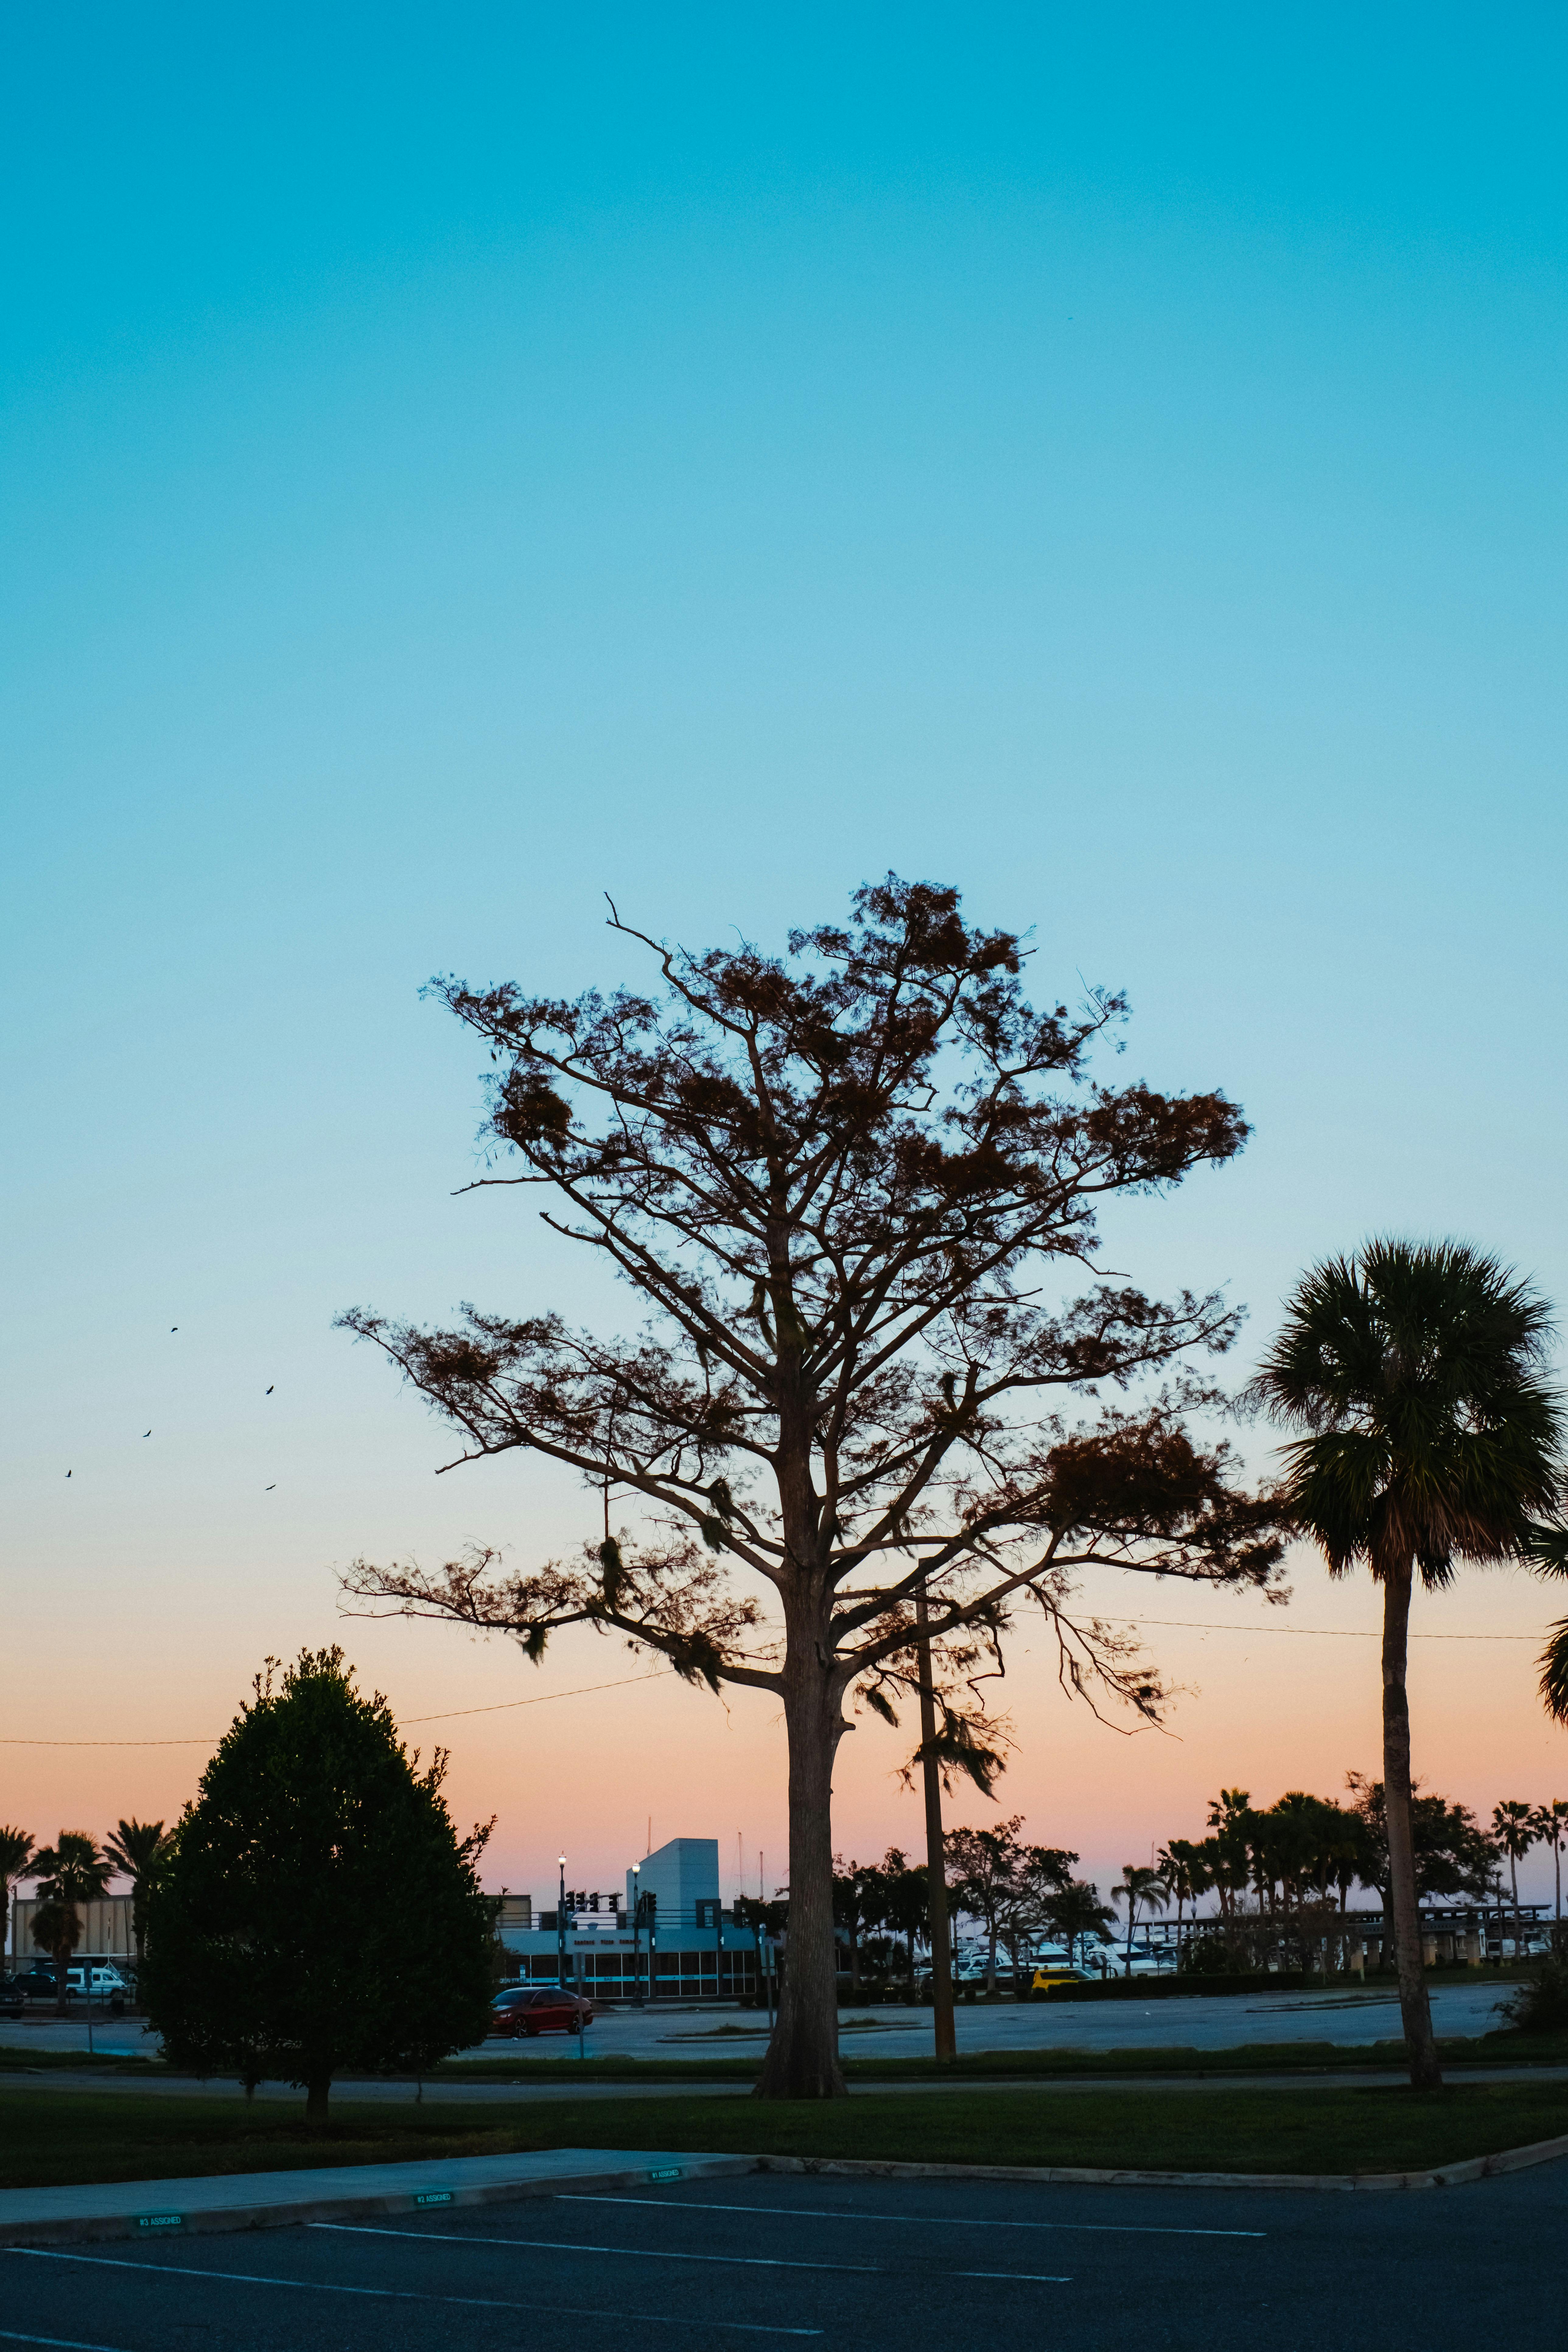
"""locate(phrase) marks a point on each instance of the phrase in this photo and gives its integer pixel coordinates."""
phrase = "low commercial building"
(666, 1936)
(106, 1932)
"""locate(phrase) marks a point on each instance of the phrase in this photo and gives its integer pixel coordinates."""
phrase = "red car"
(539, 2009)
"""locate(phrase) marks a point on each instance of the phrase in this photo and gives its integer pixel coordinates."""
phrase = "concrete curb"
(139, 2208)
(143, 2209)
(1448, 2175)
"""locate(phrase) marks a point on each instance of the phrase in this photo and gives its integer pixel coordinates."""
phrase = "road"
(1464, 2007)
(880, 2266)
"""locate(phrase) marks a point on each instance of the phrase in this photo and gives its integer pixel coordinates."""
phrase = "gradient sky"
(456, 462)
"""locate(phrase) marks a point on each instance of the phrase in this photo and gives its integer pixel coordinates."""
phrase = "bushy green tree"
(1452, 1853)
(317, 1908)
(987, 1867)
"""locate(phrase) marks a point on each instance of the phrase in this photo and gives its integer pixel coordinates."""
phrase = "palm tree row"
(76, 1870)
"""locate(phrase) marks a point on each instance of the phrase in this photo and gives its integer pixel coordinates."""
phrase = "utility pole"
(945, 2032)
(561, 1930)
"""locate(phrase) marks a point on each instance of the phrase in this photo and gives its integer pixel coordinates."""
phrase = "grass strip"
(979, 2066)
(50, 2141)
(1031, 2065)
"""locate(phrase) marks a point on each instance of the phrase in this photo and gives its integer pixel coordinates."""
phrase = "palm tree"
(1183, 1867)
(70, 1873)
(1515, 1828)
(16, 1854)
(134, 1848)
(1414, 1371)
(1077, 1913)
(1552, 1829)
(1139, 1886)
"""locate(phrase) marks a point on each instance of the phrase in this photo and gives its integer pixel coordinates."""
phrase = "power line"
(1320, 1632)
(504, 1706)
(450, 1715)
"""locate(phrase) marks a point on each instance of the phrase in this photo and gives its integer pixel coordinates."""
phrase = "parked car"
(38, 1982)
(13, 2001)
(539, 2009)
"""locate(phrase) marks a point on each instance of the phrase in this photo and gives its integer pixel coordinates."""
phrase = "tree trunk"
(62, 1978)
(943, 2030)
(1415, 2009)
(317, 2090)
(1513, 1880)
(802, 2056)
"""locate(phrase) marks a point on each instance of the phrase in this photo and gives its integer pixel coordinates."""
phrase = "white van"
(106, 1979)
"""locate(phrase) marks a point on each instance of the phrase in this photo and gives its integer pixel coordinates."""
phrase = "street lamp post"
(561, 1930)
(637, 1937)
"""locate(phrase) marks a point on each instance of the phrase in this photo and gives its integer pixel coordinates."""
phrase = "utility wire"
(1321, 1632)
(504, 1706)
(449, 1716)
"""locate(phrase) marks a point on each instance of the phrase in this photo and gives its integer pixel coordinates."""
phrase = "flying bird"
(146, 1433)
(266, 1490)
(174, 1326)
(68, 1474)
(269, 1390)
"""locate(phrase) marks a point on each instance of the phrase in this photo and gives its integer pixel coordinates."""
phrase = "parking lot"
(913, 2264)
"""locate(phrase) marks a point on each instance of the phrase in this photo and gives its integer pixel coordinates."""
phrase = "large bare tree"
(855, 1185)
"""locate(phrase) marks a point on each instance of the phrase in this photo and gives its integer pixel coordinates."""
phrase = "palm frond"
(1553, 1663)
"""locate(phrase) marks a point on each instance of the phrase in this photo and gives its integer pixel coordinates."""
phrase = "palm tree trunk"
(1517, 1923)
(1415, 2009)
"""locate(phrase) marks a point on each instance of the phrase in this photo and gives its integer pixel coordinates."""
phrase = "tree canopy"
(316, 1908)
(855, 1189)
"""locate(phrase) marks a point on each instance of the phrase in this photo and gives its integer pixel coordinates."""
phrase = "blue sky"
(458, 462)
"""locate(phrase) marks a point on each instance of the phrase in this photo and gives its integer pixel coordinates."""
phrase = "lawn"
(48, 2136)
(1026, 2065)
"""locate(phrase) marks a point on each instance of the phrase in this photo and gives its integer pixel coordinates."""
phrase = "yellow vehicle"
(1052, 1979)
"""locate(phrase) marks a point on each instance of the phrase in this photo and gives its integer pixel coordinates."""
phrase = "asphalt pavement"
(1197, 2021)
(906, 2266)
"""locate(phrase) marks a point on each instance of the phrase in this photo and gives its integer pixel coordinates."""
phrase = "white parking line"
(658, 2254)
(1028, 2278)
(919, 2221)
(571, 2246)
(65, 2343)
(395, 2295)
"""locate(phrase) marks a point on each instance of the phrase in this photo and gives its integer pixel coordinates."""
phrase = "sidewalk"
(260, 2200)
